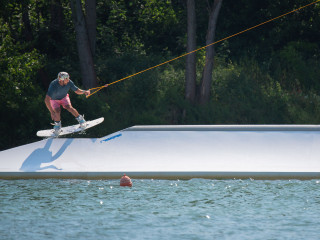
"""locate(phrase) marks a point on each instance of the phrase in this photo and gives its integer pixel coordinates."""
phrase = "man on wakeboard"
(57, 96)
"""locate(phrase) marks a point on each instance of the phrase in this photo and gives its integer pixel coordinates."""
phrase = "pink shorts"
(63, 102)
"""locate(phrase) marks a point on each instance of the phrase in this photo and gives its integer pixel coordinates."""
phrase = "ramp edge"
(223, 128)
(161, 175)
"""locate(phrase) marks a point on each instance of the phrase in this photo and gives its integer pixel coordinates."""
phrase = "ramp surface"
(173, 152)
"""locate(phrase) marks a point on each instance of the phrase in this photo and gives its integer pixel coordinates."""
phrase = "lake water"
(159, 209)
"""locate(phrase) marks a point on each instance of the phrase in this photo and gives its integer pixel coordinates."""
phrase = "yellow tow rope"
(248, 29)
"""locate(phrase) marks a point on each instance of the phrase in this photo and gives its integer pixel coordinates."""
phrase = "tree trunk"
(56, 27)
(27, 30)
(206, 81)
(88, 73)
(91, 19)
(190, 88)
(56, 20)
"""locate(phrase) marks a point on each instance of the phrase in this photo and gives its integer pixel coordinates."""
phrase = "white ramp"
(174, 152)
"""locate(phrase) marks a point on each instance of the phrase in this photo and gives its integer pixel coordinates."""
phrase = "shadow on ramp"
(43, 155)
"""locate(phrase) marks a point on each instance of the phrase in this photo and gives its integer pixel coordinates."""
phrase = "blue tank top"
(57, 92)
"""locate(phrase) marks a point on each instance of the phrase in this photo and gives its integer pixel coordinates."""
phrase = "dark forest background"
(269, 75)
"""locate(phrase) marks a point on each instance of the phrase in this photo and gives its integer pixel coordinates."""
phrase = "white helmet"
(63, 75)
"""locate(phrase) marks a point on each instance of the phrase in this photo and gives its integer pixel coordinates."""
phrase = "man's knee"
(68, 107)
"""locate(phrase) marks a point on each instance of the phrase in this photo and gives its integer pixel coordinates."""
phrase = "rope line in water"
(223, 39)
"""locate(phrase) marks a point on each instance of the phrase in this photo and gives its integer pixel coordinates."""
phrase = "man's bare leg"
(76, 114)
(57, 115)
(72, 110)
(57, 120)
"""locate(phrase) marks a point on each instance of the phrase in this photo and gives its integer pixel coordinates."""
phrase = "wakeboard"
(69, 129)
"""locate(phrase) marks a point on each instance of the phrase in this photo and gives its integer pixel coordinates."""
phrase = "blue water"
(160, 209)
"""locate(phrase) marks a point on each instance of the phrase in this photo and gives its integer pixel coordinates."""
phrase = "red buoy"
(125, 181)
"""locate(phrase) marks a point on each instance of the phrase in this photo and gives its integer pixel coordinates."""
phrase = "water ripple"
(160, 209)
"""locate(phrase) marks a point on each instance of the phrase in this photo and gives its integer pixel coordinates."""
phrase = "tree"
(206, 80)
(91, 20)
(26, 21)
(88, 73)
(56, 32)
(56, 20)
(190, 87)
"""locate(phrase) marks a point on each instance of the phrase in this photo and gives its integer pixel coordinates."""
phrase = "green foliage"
(19, 92)
(137, 26)
(297, 66)
(246, 93)
(267, 75)
(250, 95)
